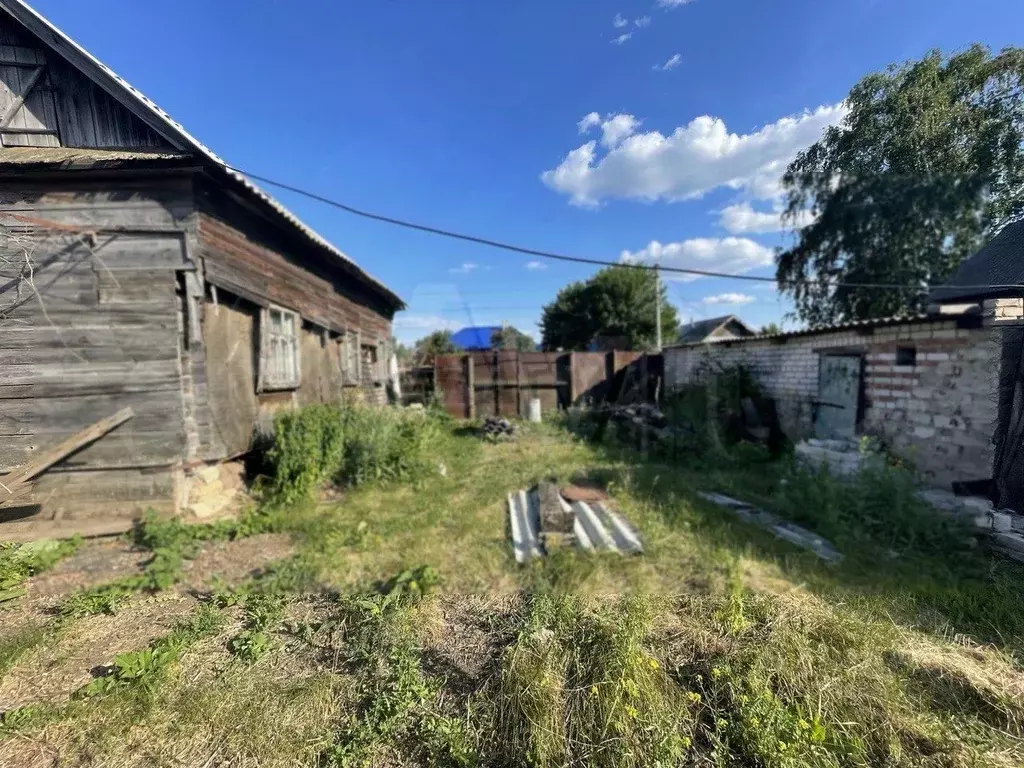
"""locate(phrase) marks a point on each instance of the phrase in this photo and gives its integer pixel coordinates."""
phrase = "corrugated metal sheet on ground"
(783, 529)
(597, 526)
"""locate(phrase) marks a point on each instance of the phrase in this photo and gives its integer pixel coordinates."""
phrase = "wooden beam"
(30, 131)
(65, 449)
(470, 387)
(19, 101)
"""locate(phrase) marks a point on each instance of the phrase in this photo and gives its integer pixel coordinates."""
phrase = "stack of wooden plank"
(16, 485)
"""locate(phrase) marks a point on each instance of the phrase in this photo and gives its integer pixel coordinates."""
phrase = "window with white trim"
(279, 342)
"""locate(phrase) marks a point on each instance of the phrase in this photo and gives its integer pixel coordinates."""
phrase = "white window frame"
(280, 360)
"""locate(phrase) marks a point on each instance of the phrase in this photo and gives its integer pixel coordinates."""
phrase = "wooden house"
(137, 270)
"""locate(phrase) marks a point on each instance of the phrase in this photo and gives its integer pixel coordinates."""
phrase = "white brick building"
(928, 386)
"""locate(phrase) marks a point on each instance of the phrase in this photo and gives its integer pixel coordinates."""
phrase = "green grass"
(720, 645)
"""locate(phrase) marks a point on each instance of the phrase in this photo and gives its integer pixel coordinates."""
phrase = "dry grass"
(720, 645)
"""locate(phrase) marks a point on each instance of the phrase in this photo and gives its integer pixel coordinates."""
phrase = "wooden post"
(519, 386)
(572, 379)
(470, 387)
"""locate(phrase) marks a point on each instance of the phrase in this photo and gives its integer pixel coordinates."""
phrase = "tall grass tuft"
(580, 687)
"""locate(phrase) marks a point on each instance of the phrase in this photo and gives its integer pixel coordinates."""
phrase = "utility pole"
(657, 308)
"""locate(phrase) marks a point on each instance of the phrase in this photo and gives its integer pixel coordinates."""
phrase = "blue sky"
(525, 121)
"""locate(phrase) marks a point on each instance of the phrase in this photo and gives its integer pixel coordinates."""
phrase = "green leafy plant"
(263, 613)
(398, 702)
(307, 449)
(145, 669)
(413, 582)
(18, 562)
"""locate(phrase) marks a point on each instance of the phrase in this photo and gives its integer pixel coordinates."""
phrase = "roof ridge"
(55, 38)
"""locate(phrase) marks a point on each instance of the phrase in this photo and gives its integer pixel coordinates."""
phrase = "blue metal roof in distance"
(475, 336)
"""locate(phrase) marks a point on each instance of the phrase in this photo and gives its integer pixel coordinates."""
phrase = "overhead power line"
(584, 260)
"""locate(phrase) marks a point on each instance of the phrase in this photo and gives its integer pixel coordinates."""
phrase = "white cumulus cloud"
(619, 22)
(643, 21)
(621, 38)
(669, 4)
(742, 219)
(734, 299)
(589, 121)
(731, 255)
(464, 269)
(536, 265)
(694, 159)
(674, 61)
(617, 128)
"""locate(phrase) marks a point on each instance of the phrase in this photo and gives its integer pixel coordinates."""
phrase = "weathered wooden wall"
(230, 336)
(321, 367)
(247, 257)
(58, 106)
(88, 325)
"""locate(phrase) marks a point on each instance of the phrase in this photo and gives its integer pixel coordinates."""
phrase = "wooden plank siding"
(95, 329)
(250, 259)
(63, 108)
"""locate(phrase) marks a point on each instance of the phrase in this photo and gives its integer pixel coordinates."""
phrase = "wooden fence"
(502, 383)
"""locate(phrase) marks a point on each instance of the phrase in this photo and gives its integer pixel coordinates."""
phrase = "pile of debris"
(547, 517)
(1004, 528)
(841, 457)
(642, 421)
(498, 426)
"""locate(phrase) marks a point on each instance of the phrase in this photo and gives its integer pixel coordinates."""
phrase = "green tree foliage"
(925, 167)
(512, 338)
(770, 329)
(429, 347)
(615, 302)
(403, 352)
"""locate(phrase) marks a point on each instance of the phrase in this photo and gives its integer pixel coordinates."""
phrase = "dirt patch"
(96, 562)
(465, 638)
(235, 561)
(53, 672)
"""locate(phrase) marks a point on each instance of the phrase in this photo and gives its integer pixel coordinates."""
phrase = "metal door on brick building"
(838, 396)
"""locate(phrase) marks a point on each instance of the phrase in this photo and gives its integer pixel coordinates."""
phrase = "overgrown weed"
(398, 706)
(18, 562)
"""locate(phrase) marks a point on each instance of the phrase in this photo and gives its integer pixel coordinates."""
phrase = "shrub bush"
(307, 448)
(352, 443)
(880, 503)
(385, 445)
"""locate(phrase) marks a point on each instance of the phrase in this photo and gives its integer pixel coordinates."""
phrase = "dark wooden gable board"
(45, 102)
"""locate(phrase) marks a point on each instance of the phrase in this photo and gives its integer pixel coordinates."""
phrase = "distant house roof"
(866, 327)
(999, 262)
(698, 331)
(475, 336)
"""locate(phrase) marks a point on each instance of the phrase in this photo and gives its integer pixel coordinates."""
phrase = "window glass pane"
(275, 320)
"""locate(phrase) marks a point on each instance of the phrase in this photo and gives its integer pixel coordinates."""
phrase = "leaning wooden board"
(14, 485)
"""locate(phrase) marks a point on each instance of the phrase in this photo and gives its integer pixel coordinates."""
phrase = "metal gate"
(1008, 462)
(838, 396)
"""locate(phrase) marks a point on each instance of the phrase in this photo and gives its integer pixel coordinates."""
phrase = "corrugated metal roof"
(879, 322)
(999, 262)
(171, 130)
(475, 336)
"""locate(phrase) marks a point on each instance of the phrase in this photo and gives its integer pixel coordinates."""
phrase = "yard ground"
(391, 626)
